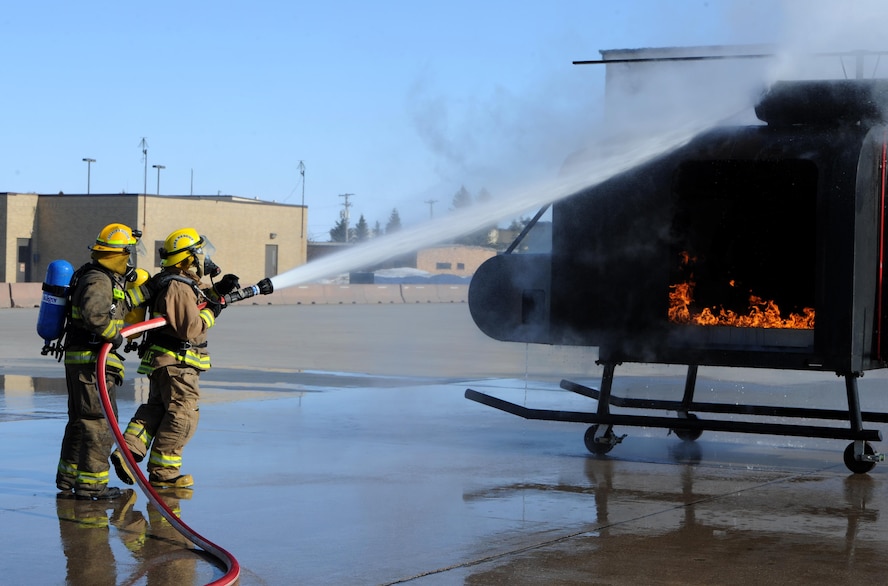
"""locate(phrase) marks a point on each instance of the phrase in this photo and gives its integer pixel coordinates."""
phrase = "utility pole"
(344, 213)
(302, 226)
(431, 203)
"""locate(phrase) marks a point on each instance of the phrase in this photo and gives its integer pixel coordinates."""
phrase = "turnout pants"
(86, 445)
(166, 421)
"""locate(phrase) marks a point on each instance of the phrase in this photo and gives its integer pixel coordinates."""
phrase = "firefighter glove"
(215, 307)
(117, 341)
(227, 284)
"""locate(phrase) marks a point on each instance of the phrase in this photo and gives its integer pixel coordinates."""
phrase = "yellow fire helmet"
(181, 244)
(117, 238)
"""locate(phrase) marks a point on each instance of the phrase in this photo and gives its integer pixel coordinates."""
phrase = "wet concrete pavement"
(335, 447)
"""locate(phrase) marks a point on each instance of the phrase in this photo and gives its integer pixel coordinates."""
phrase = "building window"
(442, 266)
(460, 266)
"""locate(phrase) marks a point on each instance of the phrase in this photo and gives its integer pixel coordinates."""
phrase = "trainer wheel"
(688, 435)
(859, 466)
(597, 448)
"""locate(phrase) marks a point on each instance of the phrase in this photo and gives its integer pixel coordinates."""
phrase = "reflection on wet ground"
(156, 552)
(706, 525)
(21, 393)
(330, 477)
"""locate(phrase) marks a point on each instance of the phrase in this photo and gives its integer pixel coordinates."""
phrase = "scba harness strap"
(171, 344)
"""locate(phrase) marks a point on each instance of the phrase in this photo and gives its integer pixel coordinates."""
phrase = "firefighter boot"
(120, 467)
(183, 481)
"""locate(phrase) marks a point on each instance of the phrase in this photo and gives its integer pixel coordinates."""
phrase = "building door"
(271, 260)
(23, 261)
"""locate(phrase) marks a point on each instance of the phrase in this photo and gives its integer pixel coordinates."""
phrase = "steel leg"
(688, 435)
(690, 386)
(859, 456)
(600, 439)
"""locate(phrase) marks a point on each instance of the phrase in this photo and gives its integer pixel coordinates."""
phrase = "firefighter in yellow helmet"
(174, 356)
(98, 301)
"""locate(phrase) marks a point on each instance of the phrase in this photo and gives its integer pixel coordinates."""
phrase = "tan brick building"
(253, 239)
(17, 221)
(457, 260)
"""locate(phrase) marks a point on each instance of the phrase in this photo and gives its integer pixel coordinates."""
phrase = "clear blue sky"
(394, 102)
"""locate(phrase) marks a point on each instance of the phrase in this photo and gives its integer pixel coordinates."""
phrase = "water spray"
(529, 197)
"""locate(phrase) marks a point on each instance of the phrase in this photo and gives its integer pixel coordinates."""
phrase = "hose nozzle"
(266, 287)
(263, 287)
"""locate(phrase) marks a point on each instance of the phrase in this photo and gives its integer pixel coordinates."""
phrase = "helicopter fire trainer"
(754, 246)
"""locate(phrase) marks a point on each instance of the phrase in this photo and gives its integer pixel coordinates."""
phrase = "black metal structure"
(754, 246)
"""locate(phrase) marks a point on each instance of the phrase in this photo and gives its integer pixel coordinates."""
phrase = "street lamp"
(89, 163)
(158, 167)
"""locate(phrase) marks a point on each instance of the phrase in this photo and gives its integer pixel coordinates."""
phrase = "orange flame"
(762, 314)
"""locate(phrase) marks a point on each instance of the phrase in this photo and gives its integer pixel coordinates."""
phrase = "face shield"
(136, 250)
(204, 264)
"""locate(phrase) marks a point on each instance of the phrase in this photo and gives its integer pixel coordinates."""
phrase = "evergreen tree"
(462, 198)
(337, 232)
(362, 230)
(394, 223)
(377, 229)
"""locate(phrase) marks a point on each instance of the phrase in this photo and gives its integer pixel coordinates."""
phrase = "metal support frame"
(687, 421)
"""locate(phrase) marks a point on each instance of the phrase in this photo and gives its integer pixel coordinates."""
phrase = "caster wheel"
(858, 466)
(597, 448)
(688, 435)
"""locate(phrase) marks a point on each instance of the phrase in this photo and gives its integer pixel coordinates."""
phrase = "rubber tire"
(688, 435)
(596, 448)
(856, 466)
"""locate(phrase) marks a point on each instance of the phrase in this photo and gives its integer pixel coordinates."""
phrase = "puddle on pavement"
(24, 397)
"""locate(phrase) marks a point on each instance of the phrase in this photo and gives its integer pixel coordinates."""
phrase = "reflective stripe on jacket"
(78, 357)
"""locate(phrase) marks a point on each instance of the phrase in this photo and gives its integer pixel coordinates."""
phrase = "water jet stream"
(470, 219)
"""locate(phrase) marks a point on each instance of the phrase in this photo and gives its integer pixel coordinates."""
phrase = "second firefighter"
(174, 356)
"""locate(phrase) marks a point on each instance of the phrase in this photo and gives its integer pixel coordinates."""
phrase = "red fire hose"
(232, 567)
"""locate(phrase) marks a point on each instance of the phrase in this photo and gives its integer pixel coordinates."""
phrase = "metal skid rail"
(683, 423)
(859, 455)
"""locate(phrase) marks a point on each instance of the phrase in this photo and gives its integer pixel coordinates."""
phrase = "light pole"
(431, 203)
(89, 163)
(158, 167)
